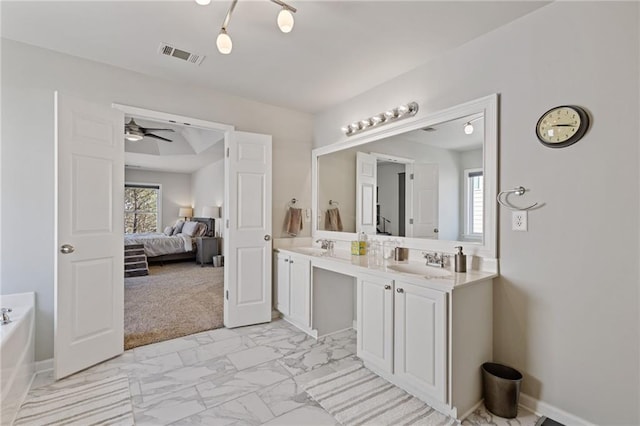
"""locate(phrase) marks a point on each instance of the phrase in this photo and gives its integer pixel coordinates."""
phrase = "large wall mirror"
(430, 182)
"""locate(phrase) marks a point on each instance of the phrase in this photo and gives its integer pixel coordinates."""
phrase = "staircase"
(135, 261)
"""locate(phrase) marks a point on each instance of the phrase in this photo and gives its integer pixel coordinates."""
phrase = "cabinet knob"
(400, 290)
(286, 260)
(387, 287)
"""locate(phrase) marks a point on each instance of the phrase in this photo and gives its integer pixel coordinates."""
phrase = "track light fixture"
(285, 23)
(468, 127)
(395, 114)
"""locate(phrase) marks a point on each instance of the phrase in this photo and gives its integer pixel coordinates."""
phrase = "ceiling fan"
(134, 132)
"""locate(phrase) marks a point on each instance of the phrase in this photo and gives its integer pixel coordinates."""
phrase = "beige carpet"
(174, 300)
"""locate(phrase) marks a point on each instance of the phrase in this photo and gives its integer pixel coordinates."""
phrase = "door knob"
(267, 237)
(67, 249)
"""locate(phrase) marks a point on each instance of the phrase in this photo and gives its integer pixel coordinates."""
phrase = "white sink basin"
(311, 251)
(421, 270)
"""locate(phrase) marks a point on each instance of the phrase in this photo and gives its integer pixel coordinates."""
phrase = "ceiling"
(191, 148)
(337, 49)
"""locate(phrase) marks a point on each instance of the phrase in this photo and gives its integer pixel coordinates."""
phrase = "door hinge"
(227, 152)
(411, 176)
(227, 294)
(227, 223)
(410, 221)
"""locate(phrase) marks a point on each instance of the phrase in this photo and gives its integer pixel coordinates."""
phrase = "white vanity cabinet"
(374, 300)
(402, 333)
(420, 330)
(293, 298)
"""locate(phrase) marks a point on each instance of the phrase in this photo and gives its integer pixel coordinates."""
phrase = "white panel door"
(282, 283)
(300, 282)
(366, 182)
(424, 199)
(420, 338)
(89, 286)
(247, 239)
(375, 321)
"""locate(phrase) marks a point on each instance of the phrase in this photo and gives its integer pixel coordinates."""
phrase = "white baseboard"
(541, 408)
(44, 365)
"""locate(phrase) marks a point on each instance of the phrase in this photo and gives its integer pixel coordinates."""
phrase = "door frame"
(159, 116)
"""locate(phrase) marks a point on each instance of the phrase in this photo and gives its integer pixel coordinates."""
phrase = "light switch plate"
(519, 220)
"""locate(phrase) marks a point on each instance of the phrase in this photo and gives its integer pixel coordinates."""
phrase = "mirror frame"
(489, 106)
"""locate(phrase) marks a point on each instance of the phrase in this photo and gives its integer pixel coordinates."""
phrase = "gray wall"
(566, 304)
(176, 191)
(29, 77)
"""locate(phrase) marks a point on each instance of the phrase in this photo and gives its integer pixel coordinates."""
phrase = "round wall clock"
(562, 126)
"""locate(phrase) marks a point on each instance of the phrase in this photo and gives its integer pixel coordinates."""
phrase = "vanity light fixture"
(285, 23)
(468, 127)
(403, 111)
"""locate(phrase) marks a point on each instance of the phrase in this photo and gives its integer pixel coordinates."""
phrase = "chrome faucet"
(5, 315)
(326, 244)
(436, 259)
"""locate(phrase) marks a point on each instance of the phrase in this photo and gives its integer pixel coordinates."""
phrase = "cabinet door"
(375, 321)
(282, 286)
(420, 338)
(300, 282)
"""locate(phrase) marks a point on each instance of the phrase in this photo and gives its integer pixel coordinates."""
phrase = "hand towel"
(294, 221)
(332, 220)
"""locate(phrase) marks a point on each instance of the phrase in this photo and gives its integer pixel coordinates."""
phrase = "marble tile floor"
(245, 376)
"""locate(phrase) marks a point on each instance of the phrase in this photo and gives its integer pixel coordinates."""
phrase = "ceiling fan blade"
(151, 135)
(146, 129)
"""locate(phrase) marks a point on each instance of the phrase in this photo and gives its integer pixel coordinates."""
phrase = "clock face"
(562, 126)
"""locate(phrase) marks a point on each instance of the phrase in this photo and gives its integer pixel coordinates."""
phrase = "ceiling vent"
(168, 50)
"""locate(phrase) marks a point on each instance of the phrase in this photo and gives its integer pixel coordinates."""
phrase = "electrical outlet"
(519, 220)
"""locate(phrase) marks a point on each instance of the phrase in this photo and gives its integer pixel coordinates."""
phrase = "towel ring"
(292, 202)
(333, 203)
(505, 202)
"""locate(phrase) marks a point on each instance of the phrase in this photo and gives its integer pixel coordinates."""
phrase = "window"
(141, 212)
(474, 203)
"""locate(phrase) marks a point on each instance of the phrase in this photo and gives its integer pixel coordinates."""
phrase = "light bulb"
(203, 2)
(365, 123)
(285, 20)
(345, 129)
(468, 128)
(132, 137)
(403, 109)
(391, 114)
(224, 43)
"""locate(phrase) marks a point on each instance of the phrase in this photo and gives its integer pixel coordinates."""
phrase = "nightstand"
(207, 247)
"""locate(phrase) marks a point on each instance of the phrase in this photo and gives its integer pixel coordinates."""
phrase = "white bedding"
(157, 243)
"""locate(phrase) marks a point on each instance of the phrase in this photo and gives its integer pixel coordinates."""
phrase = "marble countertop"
(342, 261)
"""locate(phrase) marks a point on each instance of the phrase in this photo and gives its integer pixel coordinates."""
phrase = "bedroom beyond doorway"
(174, 300)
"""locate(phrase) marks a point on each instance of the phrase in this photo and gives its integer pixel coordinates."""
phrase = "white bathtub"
(17, 356)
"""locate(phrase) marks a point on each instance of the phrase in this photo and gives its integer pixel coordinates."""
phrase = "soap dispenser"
(461, 260)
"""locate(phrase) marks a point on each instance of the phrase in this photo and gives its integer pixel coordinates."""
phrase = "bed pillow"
(168, 231)
(178, 228)
(202, 230)
(190, 228)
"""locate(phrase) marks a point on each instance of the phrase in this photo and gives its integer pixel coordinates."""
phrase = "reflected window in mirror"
(474, 204)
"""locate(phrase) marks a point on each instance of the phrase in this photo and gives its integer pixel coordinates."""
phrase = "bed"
(169, 245)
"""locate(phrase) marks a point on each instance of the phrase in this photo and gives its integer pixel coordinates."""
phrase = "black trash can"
(501, 389)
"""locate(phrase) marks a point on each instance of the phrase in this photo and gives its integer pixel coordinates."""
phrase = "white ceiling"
(337, 49)
(190, 149)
